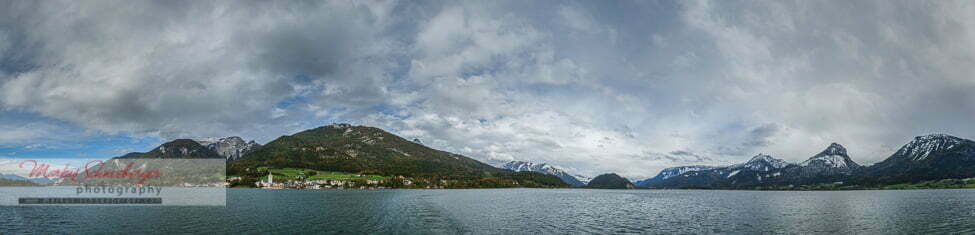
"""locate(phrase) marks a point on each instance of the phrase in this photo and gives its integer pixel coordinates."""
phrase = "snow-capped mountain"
(831, 161)
(923, 146)
(547, 169)
(759, 168)
(671, 172)
(929, 157)
(231, 148)
(762, 162)
(829, 166)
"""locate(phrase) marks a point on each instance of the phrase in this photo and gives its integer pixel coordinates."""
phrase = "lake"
(521, 211)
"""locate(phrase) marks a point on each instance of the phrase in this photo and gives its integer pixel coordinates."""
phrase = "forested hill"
(369, 150)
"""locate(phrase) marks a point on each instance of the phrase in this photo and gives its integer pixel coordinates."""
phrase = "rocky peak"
(760, 157)
(178, 147)
(833, 157)
(231, 148)
(762, 162)
(835, 149)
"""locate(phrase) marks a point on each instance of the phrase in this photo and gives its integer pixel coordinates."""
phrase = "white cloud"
(278, 112)
(28, 134)
(577, 19)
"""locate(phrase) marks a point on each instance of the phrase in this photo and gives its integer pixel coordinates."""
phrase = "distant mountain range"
(930, 157)
(605, 181)
(666, 173)
(361, 149)
(751, 172)
(36, 180)
(546, 169)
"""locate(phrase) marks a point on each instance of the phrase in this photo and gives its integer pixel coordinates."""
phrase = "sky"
(629, 87)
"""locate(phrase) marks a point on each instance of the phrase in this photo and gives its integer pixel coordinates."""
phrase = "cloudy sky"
(593, 86)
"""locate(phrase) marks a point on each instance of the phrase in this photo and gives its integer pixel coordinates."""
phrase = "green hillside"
(369, 150)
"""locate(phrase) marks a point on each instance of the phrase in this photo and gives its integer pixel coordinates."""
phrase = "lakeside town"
(310, 179)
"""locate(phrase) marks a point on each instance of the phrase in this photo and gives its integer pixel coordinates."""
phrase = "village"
(360, 181)
(269, 183)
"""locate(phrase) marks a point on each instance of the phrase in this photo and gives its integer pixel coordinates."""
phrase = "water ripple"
(521, 211)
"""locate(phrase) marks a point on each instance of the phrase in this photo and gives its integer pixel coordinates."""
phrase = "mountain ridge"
(544, 168)
(762, 169)
(924, 158)
(669, 172)
(178, 148)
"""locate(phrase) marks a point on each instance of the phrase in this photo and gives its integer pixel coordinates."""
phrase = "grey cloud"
(180, 69)
(857, 72)
(760, 136)
(689, 157)
(666, 81)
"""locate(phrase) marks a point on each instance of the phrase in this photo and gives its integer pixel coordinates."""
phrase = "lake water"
(521, 211)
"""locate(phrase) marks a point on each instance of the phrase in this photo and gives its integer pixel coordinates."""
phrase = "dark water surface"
(521, 211)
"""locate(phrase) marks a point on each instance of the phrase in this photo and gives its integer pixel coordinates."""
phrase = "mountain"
(231, 148)
(756, 171)
(671, 172)
(38, 180)
(828, 164)
(543, 168)
(179, 148)
(762, 162)
(370, 150)
(930, 157)
(610, 181)
(832, 165)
